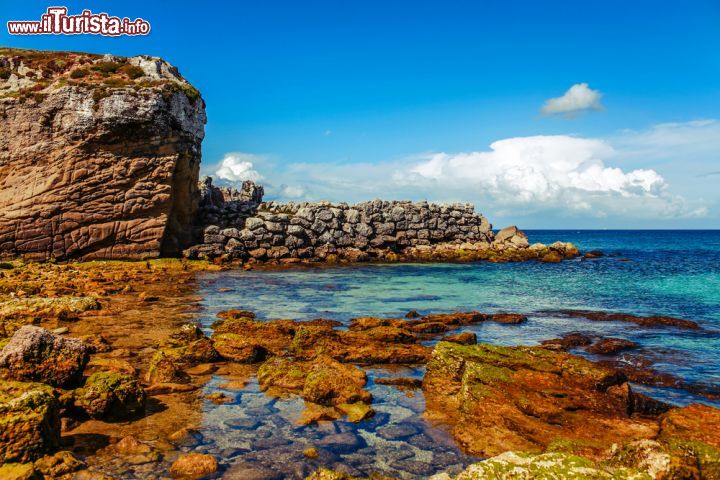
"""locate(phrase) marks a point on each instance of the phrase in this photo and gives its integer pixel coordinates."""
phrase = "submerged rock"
(400, 382)
(111, 396)
(136, 452)
(37, 354)
(29, 421)
(193, 466)
(611, 346)
(323, 382)
(651, 321)
(61, 463)
(568, 341)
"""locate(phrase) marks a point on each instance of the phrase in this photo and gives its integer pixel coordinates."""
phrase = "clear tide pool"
(674, 273)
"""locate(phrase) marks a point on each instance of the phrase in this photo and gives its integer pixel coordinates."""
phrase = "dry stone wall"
(246, 228)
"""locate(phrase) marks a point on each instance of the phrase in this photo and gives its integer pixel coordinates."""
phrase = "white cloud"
(579, 98)
(292, 191)
(548, 176)
(238, 167)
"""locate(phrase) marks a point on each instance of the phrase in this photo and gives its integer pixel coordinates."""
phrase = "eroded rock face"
(99, 156)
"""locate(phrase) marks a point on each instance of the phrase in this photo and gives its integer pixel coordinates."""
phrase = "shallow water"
(674, 273)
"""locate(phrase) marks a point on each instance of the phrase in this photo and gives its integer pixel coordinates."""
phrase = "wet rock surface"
(507, 399)
(29, 421)
(651, 321)
(526, 398)
(286, 415)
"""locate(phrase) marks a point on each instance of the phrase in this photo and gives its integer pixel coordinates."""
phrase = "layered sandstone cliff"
(99, 156)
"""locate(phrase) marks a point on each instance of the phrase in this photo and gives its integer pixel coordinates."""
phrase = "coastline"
(156, 437)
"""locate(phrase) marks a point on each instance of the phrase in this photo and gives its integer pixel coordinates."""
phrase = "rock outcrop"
(99, 156)
(546, 414)
(533, 399)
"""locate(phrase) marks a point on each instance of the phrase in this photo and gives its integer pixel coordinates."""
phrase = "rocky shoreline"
(104, 372)
(112, 146)
(537, 410)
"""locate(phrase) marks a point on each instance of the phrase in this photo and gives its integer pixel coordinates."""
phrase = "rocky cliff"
(99, 156)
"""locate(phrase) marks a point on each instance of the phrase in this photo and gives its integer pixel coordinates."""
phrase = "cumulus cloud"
(559, 175)
(537, 169)
(238, 167)
(578, 99)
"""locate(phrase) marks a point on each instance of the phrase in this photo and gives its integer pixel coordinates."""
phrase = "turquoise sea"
(674, 273)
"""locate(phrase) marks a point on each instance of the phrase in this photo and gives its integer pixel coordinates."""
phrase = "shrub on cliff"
(79, 73)
(133, 71)
(107, 68)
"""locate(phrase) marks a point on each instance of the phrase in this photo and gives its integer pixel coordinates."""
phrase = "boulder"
(30, 421)
(37, 354)
(511, 237)
(110, 396)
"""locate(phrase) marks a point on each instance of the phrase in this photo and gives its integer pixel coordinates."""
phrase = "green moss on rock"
(111, 396)
(29, 421)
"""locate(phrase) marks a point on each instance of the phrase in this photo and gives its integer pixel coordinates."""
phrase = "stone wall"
(238, 225)
(246, 228)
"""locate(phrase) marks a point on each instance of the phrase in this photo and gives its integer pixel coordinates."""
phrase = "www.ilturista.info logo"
(57, 22)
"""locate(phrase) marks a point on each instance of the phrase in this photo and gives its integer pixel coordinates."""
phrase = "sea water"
(674, 273)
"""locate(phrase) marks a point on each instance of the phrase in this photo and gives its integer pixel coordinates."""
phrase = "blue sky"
(356, 100)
